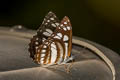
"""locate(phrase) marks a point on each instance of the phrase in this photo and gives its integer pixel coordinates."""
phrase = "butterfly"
(53, 42)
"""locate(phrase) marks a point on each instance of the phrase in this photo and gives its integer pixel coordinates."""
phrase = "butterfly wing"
(67, 37)
(57, 48)
(48, 25)
(46, 29)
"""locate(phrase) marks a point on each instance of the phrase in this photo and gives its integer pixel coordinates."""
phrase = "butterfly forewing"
(65, 32)
(46, 29)
(67, 35)
(48, 25)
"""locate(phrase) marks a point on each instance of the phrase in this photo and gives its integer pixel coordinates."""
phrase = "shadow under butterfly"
(53, 42)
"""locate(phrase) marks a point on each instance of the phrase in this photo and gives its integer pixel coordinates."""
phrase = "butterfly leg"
(67, 68)
(56, 66)
(70, 66)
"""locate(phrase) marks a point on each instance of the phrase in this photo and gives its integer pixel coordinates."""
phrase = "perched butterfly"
(53, 42)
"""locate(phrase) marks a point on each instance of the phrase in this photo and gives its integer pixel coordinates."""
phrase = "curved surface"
(84, 70)
(16, 64)
(98, 52)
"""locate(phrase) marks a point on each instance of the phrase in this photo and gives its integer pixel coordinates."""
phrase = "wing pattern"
(47, 27)
(56, 48)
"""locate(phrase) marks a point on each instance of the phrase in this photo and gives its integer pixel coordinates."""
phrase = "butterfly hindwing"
(33, 45)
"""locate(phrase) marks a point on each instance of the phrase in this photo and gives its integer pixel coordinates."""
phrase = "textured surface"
(15, 63)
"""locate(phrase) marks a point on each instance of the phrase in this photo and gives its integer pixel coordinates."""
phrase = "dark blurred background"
(96, 20)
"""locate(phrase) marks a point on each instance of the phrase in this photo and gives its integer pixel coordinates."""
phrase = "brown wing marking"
(37, 55)
(61, 42)
(68, 33)
(58, 52)
(47, 54)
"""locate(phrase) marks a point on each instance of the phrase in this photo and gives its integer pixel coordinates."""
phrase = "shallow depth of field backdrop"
(96, 20)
